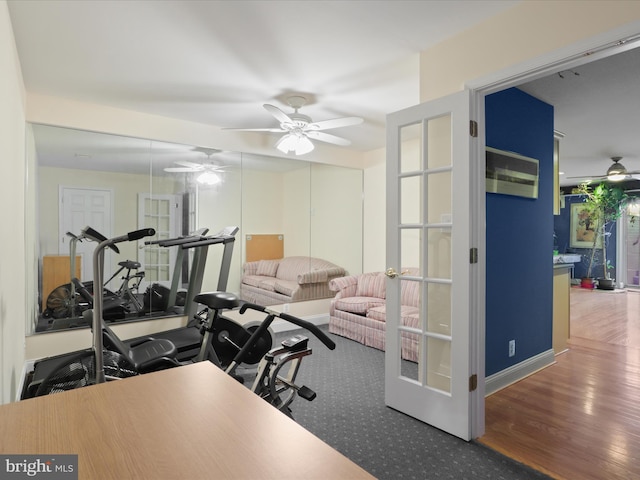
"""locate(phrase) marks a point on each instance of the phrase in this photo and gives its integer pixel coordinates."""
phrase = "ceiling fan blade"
(278, 114)
(187, 164)
(217, 168)
(274, 130)
(588, 177)
(335, 123)
(327, 137)
(181, 170)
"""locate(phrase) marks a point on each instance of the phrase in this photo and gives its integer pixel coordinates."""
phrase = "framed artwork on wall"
(583, 225)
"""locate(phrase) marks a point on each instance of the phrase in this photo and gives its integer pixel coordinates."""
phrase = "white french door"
(430, 262)
(163, 213)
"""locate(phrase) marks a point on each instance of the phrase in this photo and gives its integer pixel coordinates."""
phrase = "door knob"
(391, 273)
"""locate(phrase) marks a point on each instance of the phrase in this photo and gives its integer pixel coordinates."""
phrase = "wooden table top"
(189, 422)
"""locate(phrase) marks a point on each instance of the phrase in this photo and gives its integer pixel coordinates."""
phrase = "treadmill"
(187, 339)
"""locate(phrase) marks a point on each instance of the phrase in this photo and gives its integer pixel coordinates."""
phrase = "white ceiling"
(597, 107)
(217, 62)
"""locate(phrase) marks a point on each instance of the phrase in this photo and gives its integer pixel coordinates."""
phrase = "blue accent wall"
(519, 288)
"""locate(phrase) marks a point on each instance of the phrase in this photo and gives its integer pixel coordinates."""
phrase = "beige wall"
(526, 36)
(16, 255)
(125, 189)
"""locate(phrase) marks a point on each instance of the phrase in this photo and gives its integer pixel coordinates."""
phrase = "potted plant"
(603, 205)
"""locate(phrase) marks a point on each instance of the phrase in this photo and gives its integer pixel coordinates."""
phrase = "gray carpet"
(349, 414)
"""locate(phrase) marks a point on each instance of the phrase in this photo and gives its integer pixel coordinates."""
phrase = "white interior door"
(80, 207)
(428, 259)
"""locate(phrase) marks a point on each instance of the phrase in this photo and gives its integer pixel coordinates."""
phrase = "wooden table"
(190, 422)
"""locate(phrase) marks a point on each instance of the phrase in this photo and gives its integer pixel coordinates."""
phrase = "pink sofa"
(358, 310)
(288, 280)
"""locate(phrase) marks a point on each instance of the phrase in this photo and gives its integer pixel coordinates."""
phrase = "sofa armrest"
(344, 286)
(315, 276)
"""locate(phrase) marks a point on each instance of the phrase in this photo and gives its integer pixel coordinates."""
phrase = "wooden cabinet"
(56, 270)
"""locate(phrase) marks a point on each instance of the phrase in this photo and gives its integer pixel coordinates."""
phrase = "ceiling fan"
(299, 129)
(209, 170)
(615, 173)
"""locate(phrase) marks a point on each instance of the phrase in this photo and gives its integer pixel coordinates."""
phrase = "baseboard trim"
(283, 326)
(517, 372)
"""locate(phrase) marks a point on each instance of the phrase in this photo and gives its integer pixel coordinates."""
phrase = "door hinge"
(473, 255)
(473, 382)
(473, 128)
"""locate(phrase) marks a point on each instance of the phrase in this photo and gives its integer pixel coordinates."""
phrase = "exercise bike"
(278, 367)
(63, 301)
(224, 342)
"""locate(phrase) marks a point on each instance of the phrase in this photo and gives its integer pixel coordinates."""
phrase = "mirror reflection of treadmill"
(187, 339)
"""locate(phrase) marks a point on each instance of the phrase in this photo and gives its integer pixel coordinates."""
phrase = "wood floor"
(579, 418)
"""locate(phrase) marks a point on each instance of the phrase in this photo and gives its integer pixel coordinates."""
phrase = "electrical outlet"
(512, 348)
(285, 308)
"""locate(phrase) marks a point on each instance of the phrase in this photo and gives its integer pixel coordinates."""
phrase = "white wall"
(16, 256)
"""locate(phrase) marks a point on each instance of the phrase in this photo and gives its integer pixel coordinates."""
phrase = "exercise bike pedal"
(306, 393)
(296, 343)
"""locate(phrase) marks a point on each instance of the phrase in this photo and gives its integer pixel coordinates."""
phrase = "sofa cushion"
(268, 268)
(360, 305)
(285, 287)
(252, 280)
(409, 315)
(371, 285)
(268, 283)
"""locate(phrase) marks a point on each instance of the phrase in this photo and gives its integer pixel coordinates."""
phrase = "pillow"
(371, 285)
(268, 268)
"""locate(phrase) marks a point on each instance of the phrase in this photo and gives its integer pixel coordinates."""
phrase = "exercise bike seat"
(217, 300)
(147, 356)
(129, 264)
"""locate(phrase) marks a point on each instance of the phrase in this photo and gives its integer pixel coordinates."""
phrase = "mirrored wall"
(116, 184)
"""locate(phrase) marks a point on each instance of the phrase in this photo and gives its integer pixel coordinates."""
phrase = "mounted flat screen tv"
(509, 173)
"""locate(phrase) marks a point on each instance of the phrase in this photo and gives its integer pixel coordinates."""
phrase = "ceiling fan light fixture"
(617, 171)
(295, 142)
(208, 178)
(616, 178)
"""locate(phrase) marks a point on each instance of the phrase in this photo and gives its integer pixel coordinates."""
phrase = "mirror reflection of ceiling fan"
(615, 173)
(209, 170)
(299, 129)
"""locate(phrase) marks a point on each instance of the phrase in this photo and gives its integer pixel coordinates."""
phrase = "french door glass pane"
(411, 200)
(439, 143)
(439, 197)
(439, 253)
(439, 308)
(411, 253)
(410, 148)
(439, 364)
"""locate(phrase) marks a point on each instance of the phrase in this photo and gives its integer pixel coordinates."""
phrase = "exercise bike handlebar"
(98, 285)
(291, 319)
